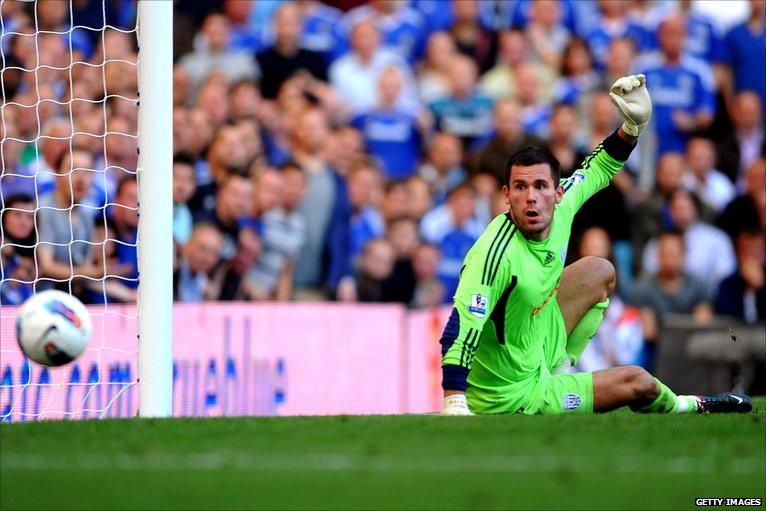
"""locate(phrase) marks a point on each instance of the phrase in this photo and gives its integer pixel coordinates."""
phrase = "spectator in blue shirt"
(196, 260)
(704, 41)
(320, 24)
(453, 227)
(365, 190)
(535, 113)
(18, 249)
(355, 75)
(683, 89)
(578, 78)
(438, 16)
(184, 184)
(122, 235)
(403, 29)
(243, 36)
(443, 170)
(466, 112)
(614, 24)
(54, 17)
(319, 32)
(744, 52)
(392, 133)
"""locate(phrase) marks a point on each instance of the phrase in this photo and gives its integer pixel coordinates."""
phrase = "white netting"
(69, 197)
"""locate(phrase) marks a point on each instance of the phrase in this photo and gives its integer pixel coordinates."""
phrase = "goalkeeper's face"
(532, 196)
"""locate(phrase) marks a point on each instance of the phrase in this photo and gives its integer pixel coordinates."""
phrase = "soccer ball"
(53, 328)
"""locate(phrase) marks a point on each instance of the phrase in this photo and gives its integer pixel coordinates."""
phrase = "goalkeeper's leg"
(583, 298)
(634, 387)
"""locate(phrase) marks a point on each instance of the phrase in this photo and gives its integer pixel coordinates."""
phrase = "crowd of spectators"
(356, 153)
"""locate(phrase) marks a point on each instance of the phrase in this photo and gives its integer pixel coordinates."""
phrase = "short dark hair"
(532, 156)
(16, 198)
(696, 201)
(290, 165)
(463, 186)
(184, 159)
(394, 183)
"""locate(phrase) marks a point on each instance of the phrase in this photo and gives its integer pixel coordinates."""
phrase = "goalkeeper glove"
(456, 404)
(630, 96)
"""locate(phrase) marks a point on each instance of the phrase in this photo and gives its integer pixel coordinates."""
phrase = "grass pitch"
(613, 461)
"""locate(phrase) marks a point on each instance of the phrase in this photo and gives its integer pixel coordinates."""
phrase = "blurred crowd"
(355, 151)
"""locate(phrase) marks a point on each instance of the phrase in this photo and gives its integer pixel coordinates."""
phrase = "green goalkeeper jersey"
(506, 331)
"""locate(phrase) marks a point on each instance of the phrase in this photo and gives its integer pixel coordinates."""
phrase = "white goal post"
(155, 179)
(70, 83)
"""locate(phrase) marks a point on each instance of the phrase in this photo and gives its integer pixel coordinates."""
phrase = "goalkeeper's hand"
(455, 404)
(630, 96)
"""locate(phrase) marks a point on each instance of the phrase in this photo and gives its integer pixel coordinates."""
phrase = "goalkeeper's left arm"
(630, 96)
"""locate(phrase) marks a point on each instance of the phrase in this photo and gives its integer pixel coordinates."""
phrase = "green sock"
(585, 329)
(668, 402)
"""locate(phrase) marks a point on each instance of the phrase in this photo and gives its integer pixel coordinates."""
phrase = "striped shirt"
(283, 236)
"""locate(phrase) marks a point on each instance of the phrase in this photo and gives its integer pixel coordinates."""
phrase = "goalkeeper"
(521, 320)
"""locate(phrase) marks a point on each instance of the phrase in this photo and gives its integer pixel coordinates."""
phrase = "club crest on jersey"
(572, 401)
(478, 306)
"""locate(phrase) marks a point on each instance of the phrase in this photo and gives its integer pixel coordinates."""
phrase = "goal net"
(69, 196)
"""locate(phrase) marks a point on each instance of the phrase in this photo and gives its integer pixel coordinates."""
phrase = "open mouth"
(531, 214)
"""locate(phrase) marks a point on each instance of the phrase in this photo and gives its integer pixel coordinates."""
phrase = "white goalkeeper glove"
(630, 96)
(456, 404)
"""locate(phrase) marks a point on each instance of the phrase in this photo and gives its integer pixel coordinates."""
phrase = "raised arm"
(630, 96)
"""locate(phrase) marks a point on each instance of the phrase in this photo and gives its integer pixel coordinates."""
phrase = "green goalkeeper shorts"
(561, 393)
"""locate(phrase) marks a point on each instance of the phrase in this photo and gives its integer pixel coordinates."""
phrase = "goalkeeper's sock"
(668, 402)
(585, 329)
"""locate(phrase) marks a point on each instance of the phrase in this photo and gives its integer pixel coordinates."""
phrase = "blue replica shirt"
(127, 253)
(703, 40)
(602, 36)
(688, 86)
(11, 291)
(569, 89)
(745, 53)
(469, 118)
(535, 120)
(404, 31)
(320, 31)
(438, 16)
(368, 224)
(438, 228)
(244, 39)
(391, 136)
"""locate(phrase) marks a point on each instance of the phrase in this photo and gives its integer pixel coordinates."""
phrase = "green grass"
(613, 461)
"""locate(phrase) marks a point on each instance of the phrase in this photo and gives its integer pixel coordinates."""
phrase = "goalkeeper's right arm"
(455, 403)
